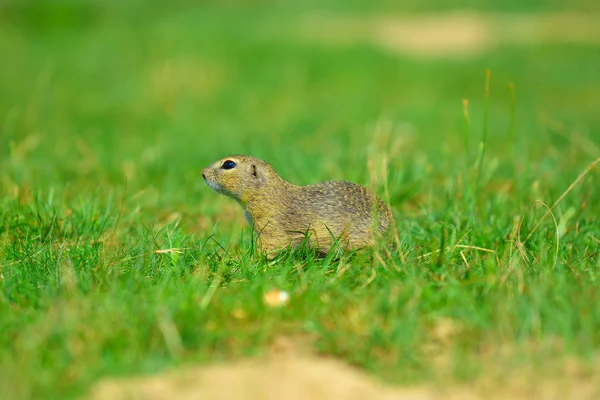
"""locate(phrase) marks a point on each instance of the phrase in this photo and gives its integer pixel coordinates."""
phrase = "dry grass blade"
(557, 231)
(562, 196)
(462, 246)
(462, 255)
(170, 251)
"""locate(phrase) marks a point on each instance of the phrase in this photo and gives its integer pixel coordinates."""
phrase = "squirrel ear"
(257, 174)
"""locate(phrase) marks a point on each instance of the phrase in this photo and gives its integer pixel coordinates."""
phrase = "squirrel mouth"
(213, 185)
(220, 189)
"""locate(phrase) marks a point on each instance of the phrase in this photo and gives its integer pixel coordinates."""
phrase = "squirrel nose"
(204, 174)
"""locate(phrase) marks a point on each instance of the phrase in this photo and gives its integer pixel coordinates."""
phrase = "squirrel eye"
(228, 165)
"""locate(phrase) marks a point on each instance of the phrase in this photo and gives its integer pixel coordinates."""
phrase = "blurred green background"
(109, 110)
(92, 88)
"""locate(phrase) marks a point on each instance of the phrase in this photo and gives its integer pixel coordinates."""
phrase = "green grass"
(107, 117)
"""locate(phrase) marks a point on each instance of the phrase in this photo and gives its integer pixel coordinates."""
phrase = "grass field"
(116, 259)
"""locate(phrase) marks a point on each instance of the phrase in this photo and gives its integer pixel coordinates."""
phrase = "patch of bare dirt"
(298, 377)
(464, 33)
(292, 373)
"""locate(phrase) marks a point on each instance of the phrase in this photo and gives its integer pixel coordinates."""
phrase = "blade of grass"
(483, 142)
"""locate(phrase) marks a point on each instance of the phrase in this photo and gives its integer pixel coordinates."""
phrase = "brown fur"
(285, 214)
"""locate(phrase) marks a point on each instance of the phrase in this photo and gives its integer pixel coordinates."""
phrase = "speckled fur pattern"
(283, 214)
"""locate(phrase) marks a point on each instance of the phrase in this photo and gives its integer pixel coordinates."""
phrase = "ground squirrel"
(284, 214)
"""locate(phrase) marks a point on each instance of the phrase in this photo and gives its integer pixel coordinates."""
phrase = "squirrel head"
(239, 177)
